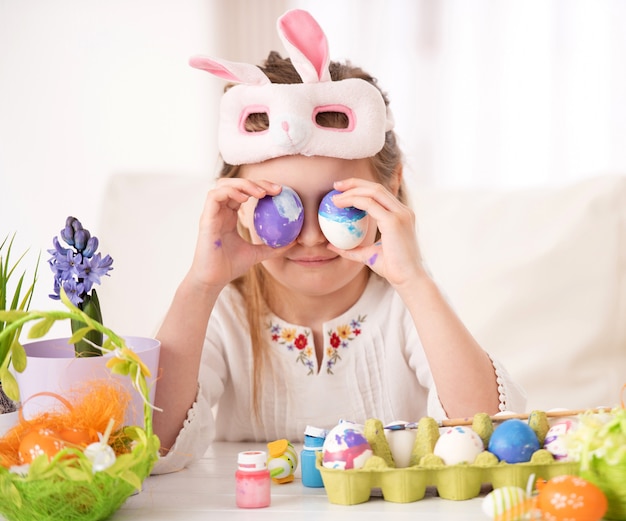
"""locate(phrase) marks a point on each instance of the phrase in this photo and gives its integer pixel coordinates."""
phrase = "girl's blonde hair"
(255, 286)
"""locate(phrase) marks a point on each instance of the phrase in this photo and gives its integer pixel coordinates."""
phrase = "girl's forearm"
(462, 370)
(182, 336)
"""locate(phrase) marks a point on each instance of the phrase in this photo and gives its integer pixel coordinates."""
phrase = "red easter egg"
(38, 442)
(570, 498)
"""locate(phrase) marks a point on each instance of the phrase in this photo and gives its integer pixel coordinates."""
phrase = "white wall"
(486, 93)
(89, 89)
(494, 93)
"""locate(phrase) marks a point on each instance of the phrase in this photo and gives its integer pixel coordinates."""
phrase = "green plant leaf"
(121, 368)
(39, 467)
(40, 328)
(130, 477)
(78, 474)
(18, 356)
(9, 384)
(79, 334)
(90, 343)
(11, 315)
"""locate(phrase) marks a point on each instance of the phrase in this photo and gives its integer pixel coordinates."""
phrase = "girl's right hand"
(221, 254)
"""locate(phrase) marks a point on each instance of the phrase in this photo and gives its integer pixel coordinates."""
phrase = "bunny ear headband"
(292, 108)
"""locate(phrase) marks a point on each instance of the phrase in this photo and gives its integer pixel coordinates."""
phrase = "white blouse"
(373, 366)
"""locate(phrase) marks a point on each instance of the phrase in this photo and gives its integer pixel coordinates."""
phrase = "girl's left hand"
(396, 255)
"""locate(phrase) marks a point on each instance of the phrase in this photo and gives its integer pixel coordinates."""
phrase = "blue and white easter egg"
(278, 219)
(344, 228)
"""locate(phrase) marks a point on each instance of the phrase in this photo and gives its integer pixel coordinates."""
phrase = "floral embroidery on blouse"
(340, 338)
(297, 341)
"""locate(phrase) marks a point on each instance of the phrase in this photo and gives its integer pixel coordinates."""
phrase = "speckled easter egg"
(344, 228)
(40, 442)
(458, 445)
(569, 497)
(555, 439)
(346, 447)
(278, 219)
(513, 441)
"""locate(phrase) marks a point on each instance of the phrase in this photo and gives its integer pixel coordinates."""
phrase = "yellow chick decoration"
(282, 461)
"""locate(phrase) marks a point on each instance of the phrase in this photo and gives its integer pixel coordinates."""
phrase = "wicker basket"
(600, 446)
(69, 490)
(67, 487)
(611, 479)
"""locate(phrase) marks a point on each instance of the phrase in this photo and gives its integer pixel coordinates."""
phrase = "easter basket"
(599, 443)
(75, 484)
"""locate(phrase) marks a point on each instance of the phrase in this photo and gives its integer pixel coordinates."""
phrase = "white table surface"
(206, 490)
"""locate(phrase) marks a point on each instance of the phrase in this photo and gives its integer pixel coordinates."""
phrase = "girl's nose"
(311, 233)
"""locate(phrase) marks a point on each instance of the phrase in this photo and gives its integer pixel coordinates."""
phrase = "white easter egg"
(344, 228)
(401, 444)
(458, 445)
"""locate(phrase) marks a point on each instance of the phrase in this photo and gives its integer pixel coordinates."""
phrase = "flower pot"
(7, 421)
(52, 368)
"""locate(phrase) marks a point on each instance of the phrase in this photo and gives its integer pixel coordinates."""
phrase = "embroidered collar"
(297, 341)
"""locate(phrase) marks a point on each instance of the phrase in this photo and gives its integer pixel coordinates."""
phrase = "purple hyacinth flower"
(90, 249)
(74, 290)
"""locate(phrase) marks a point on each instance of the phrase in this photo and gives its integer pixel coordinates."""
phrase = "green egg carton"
(455, 482)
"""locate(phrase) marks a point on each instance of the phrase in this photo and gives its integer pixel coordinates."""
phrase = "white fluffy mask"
(292, 109)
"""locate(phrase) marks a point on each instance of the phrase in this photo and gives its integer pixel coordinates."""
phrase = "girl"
(259, 342)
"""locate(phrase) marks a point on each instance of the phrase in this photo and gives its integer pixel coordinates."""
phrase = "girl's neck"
(313, 310)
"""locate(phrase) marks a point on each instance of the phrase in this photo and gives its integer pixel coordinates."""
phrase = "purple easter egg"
(513, 441)
(278, 219)
(344, 228)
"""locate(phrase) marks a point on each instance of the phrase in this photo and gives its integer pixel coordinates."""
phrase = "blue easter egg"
(344, 228)
(513, 441)
(278, 219)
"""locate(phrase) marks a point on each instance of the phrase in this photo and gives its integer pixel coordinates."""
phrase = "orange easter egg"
(38, 442)
(569, 498)
(82, 438)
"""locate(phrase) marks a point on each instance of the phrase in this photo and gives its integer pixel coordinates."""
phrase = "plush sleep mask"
(292, 109)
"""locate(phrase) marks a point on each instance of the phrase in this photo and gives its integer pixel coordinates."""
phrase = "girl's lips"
(313, 261)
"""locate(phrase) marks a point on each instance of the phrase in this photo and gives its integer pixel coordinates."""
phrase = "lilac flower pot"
(52, 368)
(7, 421)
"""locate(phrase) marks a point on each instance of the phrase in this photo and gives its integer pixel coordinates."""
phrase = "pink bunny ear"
(306, 44)
(231, 71)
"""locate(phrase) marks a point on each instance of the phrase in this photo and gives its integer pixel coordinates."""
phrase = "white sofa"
(538, 276)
